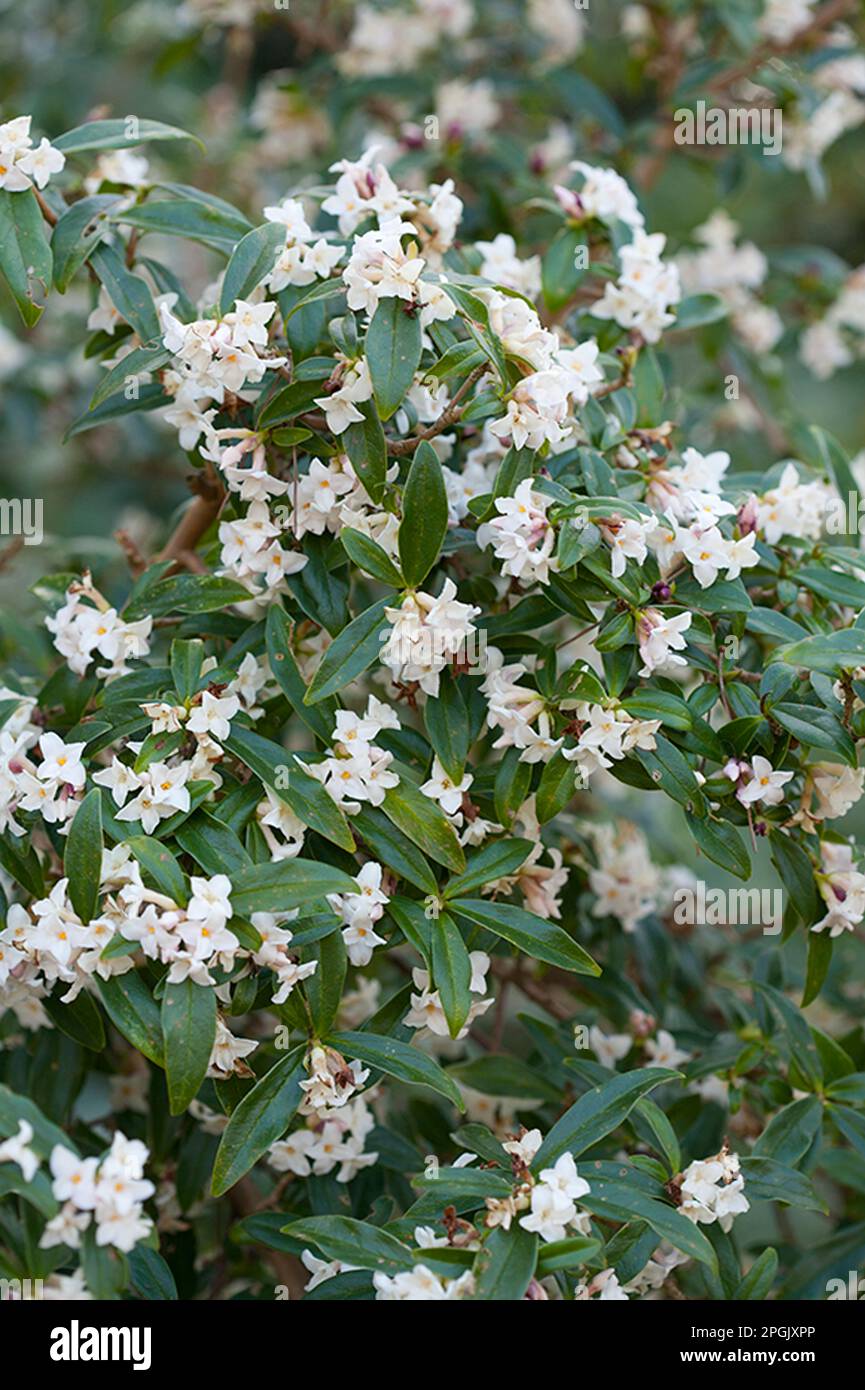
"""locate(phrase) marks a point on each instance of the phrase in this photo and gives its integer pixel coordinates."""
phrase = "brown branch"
(663, 139)
(450, 416)
(134, 558)
(47, 213)
(199, 515)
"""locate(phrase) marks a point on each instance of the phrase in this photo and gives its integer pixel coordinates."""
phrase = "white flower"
(17, 1150)
(61, 762)
(663, 1050)
(74, 1178)
(447, 793)
(213, 716)
(765, 784)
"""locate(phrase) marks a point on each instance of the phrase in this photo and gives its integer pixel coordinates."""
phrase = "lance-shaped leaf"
(189, 1030)
(424, 823)
(349, 654)
(451, 971)
(393, 349)
(598, 1112)
(121, 134)
(131, 1008)
(397, 1059)
(505, 1264)
(280, 771)
(251, 261)
(535, 936)
(319, 718)
(82, 860)
(352, 1242)
(288, 883)
(495, 860)
(25, 255)
(424, 515)
(259, 1120)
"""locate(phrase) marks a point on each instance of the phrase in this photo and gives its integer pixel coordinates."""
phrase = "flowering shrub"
(317, 884)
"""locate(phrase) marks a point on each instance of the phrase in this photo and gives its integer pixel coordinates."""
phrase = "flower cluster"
(21, 162)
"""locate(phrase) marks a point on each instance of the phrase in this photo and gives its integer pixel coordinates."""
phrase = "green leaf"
(25, 255)
(535, 936)
(78, 232)
(22, 865)
(769, 1181)
(259, 1120)
(287, 883)
(135, 363)
(829, 584)
(696, 310)
(285, 669)
(252, 260)
(131, 1008)
(151, 1275)
(189, 1030)
(830, 652)
(800, 1041)
(451, 971)
(816, 727)
(505, 1264)
(448, 726)
(324, 988)
(349, 654)
(368, 555)
(620, 1202)
(597, 1113)
(495, 860)
(160, 865)
(796, 873)
(424, 515)
(393, 349)
(566, 1254)
(122, 134)
(669, 770)
(187, 593)
(280, 770)
(79, 1019)
(424, 823)
(82, 861)
(186, 659)
(556, 787)
(352, 1242)
(722, 844)
(757, 1283)
(191, 219)
(820, 947)
(790, 1133)
(212, 845)
(128, 293)
(366, 447)
(560, 273)
(498, 1074)
(397, 1059)
(391, 847)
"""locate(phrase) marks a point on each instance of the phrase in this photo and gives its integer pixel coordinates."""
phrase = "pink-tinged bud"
(569, 201)
(747, 516)
(761, 828)
(536, 163)
(641, 1024)
(661, 592)
(411, 136)
(840, 893)
(731, 770)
